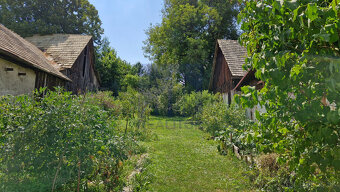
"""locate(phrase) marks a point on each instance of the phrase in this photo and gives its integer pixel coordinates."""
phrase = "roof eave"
(23, 61)
(238, 86)
(213, 67)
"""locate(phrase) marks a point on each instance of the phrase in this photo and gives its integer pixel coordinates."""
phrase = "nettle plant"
(294, 48)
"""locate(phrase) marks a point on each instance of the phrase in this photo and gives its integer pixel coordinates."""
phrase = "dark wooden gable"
(82, 71)
(227, 68)
(221, 79)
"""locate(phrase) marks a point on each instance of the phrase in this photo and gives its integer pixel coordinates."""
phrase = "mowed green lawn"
(183, 159)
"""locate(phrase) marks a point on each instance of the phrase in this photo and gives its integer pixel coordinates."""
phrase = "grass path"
(183, 159)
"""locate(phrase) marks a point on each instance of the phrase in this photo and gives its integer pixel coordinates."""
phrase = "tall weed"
(59, 142)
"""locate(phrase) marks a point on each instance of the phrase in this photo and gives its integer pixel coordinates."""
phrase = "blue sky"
(125, 22)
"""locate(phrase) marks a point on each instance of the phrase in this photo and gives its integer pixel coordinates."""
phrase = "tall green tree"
(29, 17)
(187, 34)
(111, 68)
(137, 69)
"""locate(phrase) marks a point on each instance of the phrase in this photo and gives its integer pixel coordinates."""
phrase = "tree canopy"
(187, 34)
(29, 17)
(111, 68)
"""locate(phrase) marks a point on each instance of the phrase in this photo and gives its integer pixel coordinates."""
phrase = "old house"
(228, 75)
(227, 68)
(23, 67)
(74, 55)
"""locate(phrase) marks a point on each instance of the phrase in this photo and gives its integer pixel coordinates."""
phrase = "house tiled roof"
(235, 56)
(16, 47)
(63, 48)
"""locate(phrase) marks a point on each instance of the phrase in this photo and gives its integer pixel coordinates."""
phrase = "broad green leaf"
(312, 12)
(334, 6)
(296, 12)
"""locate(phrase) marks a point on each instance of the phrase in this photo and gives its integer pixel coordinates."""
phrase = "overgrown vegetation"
(190, 105)
(161, 88)
(294, 47)
(62, 142)
(226, 123)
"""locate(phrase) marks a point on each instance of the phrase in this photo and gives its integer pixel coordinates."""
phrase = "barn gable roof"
(16, 47)
(63, 48)
(234, 54)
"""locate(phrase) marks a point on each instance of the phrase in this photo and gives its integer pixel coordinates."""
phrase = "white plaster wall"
(259, 108)
(13, 84)
(96, 83)
(225, 97)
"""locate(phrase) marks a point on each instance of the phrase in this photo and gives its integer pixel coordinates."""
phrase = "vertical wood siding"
(82, 73)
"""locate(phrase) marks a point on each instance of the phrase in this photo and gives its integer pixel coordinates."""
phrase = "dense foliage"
(226, 123)
(189, 105)
(111, 68)
(29, 17)
(61, 142)
(218, 118)
(294, 47)
(161, 88)
(135, 110)
(187, 36)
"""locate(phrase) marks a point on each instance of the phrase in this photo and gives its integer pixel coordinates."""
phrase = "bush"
(162, 88)
(168, 97)
(219, 118)
(212, 117)
(163, 98)
(135, 110)
(59, 142)
(108, 102)
(191, 104)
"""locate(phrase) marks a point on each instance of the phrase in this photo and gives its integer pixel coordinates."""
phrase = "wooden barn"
(227, 68)
(74, 55)
(23, 67)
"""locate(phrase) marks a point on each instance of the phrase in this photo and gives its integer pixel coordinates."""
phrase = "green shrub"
(59, 142)
(213, 117)
(167, 98)
(218, 116)
(135, 110)
(108, 102)
(191, 104)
